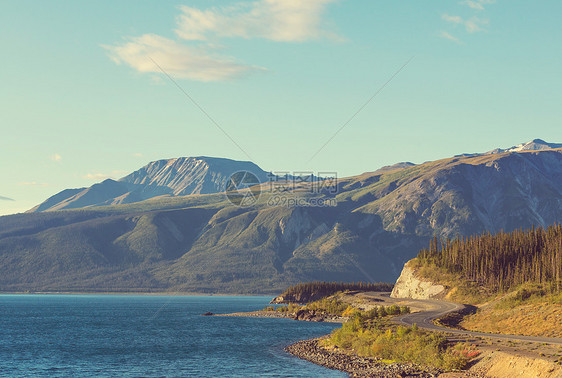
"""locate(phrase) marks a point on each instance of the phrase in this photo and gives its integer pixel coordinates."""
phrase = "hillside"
(202, 243)
(514, 279)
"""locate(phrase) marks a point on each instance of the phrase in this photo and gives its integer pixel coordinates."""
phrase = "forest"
(304, 292)
(504, 260)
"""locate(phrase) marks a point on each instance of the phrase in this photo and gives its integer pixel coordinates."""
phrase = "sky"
(97, 89)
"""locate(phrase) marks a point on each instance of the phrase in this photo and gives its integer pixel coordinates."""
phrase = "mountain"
(386, 168)
(362, 228)
(170, 177)
(534, 145)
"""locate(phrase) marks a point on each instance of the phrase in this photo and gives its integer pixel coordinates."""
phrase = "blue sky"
(82, 98)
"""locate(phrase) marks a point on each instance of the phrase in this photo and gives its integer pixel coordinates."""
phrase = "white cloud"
(452, 19)
(137, 154)
(475, 24)
(473, 4)
(97, 176)
(446, 35)
(277, 20)
(477, 4)
(472, 25)
(176, 59)
(56, 157)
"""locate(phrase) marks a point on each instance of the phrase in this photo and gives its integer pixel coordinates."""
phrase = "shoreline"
(276, 314)
(356, 366)
(312, 351)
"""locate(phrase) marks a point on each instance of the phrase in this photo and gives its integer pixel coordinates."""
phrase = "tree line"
(503, 260)
(307, 289)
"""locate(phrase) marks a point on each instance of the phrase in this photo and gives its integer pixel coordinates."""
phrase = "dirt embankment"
(499, 364)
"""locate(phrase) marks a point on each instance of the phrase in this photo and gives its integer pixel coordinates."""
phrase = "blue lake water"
(109, 335)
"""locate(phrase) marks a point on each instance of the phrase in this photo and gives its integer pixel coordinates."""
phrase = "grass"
(530, 312)
(377, 337)
(334, 307)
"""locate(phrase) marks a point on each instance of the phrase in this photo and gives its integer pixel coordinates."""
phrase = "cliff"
(409, 285)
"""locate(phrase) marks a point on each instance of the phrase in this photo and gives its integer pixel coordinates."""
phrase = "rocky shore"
(303, 315)
(356, 366)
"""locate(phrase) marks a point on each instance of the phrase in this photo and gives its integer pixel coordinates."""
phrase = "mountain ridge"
(165, 177)
(197, 175)
(203, 243)
(533, 145)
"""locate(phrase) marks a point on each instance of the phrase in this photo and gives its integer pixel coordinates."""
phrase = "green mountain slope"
(203, 243)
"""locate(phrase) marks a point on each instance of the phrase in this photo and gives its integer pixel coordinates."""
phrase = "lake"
(148, 335)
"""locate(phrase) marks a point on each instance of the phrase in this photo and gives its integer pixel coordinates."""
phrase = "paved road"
(438, 308)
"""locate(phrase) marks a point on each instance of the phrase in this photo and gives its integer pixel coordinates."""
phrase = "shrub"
(404, 310)
(393, 310)
(330, 306)
(400, 343)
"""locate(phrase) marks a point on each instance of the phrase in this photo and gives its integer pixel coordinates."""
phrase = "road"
(439, 308)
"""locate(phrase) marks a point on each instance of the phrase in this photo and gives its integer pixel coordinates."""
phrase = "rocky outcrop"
(302, 315)
(409, 285)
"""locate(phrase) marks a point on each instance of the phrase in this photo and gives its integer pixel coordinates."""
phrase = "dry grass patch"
(531, 319)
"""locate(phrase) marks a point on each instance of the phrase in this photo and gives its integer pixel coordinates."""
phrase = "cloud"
(192, 56)
(276, 20)
(5, 199)
(178, 60)
(97, 176)
(137, 154)
(473, 4)
(56, 157)
(446, 35)
(452, 19)
(477, 4)
(472, 25)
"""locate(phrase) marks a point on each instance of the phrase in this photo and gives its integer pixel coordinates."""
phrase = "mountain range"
(187, 236)
(170, 177)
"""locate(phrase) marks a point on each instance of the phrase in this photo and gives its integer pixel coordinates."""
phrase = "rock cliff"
(409, 285)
